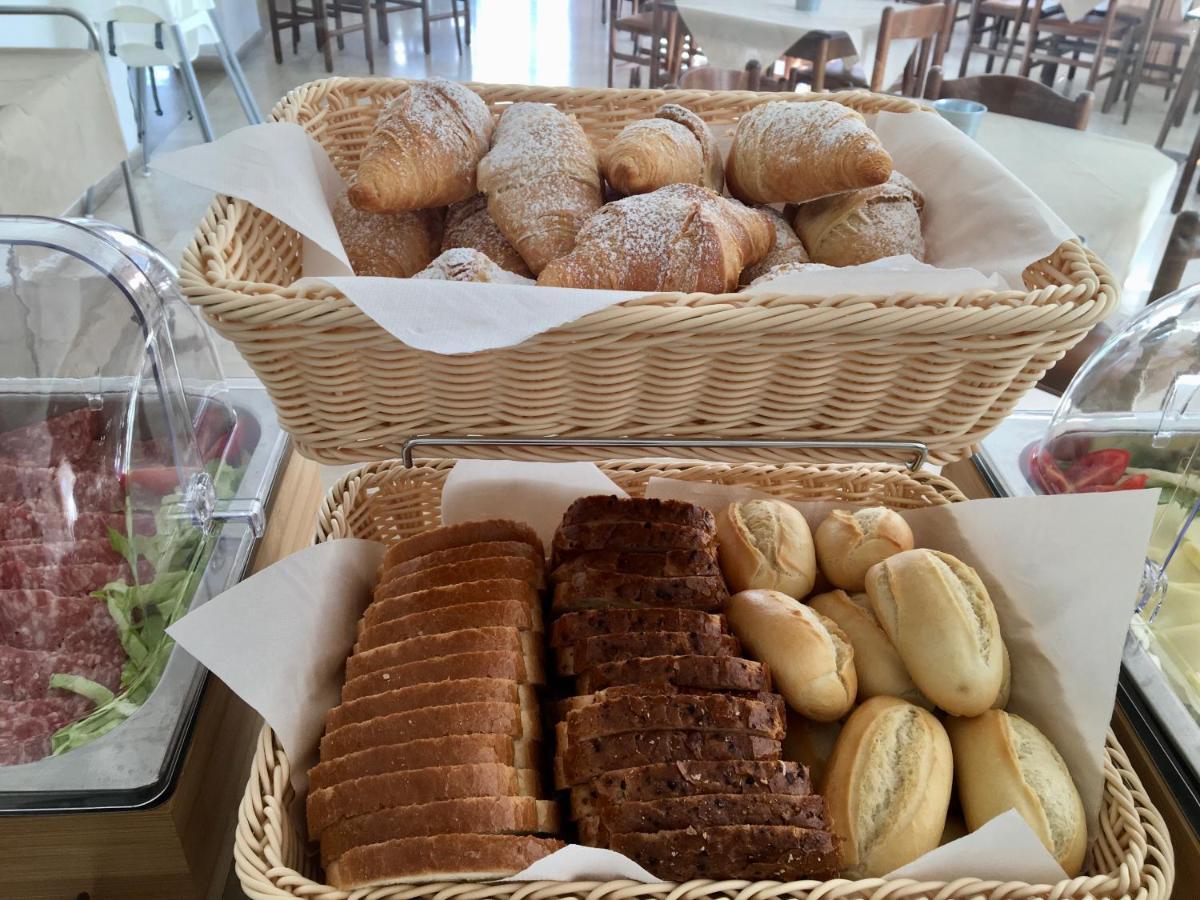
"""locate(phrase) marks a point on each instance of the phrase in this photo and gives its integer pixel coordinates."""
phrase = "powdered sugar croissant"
(861, 226)
(469, 224)
(465, 264)
(673, 147)
(679, 238)
(789, 151)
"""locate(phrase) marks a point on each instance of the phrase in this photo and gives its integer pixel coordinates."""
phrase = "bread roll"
(466, 264)
(940, 619)
(876, 662)
(810, 658)
(673, 147)
(387, 245)
(862, 226)
(1005, 683)
(766, 544)
(810, 743)
(851, 541)
(787, 250)
(887, 786)
(1003, 762)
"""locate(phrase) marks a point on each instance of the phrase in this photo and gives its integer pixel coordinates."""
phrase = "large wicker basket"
(940, 369)
(1131, 858)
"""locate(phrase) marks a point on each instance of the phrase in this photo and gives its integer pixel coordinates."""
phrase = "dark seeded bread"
(483, 550)
(417, 696)
(450, 750)
(689, 778)
(388, 607)
(430, 646)
(484, 664)
(751, 852)
(608, 590)
(703, 811)
(587, 759)
(708, 673)
(461, 573)
(604, 508)
(506, 613)
(643, 537)
(434, 721)
(613, 647)
(442, 857)
(481, 815)
(560, 708)
(460, 535)
(579, 626)
(671, 564)
(763, 716)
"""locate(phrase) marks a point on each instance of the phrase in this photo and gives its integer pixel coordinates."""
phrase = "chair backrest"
(709, 78)
(1014, 95)
(1182, 247)
(931, 24)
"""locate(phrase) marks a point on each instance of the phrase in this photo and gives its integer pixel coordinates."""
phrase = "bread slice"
(689, 778)
(434, 721)
(389, 607)
(750, 852)
(346, 799)
(704, 811)
(468, 640)
(483, 664)
(614, 647)
(703, 673)
(503, 613)
(583, 760)
(560, 708)
(442, 857)
(640, 536)
(579, 626)
(462, 572)
(610, 590)
(609, 508)
(449, 536)
(418, 696)
(484, 550)
(451, 750)
(668, 564)
(621, 714)
(467, 815)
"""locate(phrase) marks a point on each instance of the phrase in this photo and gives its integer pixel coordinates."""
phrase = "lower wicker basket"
(1131, 858)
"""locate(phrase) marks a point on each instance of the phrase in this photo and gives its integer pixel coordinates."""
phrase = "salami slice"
(59, 553)
(63, 486)
(39, 620)
(25, 674)
(71, 436)
(26, 726)
(70, 581)
(46, 522)
(15, 752)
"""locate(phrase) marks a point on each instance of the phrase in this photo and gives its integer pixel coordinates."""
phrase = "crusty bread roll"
(810, 658)
(795, 151)
(673, 147)
(810, 743)
(938, 615)
(862, 226)
(1003, 762)
(766, 544)
(387, 245)
(878, 666)
(887, 786)
(849, 542)
(1005, 683)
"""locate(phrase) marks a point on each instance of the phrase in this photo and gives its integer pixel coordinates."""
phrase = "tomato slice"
(1045, 472)
(1098, 469)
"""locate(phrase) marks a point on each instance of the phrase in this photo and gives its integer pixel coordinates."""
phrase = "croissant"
(468, 224)
(542, 181)
(679, 238)
(465, 264)
(674, 147)
(424, 149)
(860, 226)
(392, 245)
(788, 249)
(795, 151)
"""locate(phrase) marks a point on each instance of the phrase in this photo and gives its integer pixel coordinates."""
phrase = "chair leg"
(612, 38)
(154, 93)
(295, 27)
(191, 84)
(457, 27)
(1173, 77)
(368, 38)
(381, 20)
(142, 77)
(134, 210)
(972, 36)
(425, 25)
(1179, 103)
(273, 19)
(467, 22)
(1116, 81)
(998, 32)
(322, 14)
(234, 69)
(1185, 178)
(820, 61)
(337, 24)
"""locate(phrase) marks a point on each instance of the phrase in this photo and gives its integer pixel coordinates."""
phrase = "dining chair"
(812, 55)
(1152, 33)
(290, 17)
(930, 24)
(1189, 80)
(1012, 95)
(657, 38)
(384, 8)
(957, 15)
(710, 78)
(1054, 40)
(995, 20)
(1182, 247)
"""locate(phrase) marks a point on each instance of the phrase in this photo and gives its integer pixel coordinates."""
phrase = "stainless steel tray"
(135, 764)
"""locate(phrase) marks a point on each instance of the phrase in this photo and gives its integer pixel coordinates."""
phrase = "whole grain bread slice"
(460, 535)
(583, 760)
(703, 811)
(707, 673)
(470, 570)
(466, 815)
(668, 564)
(607, 648)
(450, 750)
(442, 857)
(385, 608)
(579, 626)
(482, 664)
(642, 537)
(434, 721)
(417, 696)
(751, 852)
(610, 508)
(502, 613)
(610, 590)
(346, 799)
(468, 640)
(560, 708)
(762, 716)
(483, 550)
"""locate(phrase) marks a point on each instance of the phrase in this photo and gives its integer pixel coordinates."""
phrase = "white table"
(1109, 190)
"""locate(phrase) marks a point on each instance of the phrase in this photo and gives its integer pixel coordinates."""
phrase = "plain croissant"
(788, 249)
(860, 226)
(391, 245)
(469, 224)
(424, 149)
(796, 151)
(465, 264)
(542, 181)
(679, 238)
(674, 147)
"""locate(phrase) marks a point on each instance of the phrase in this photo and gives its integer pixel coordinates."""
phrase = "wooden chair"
(384, 8)
(1012, 95)
(1149, 33)
(931, 25)
(1054, 40)
(995, 20)
(657, 27)
(1188, 82)
(318, 14)
(709, 78)
(812, 54)
(292, 17)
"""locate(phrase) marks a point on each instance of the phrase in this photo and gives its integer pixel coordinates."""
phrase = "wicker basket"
(1130, 859)
(940, 369)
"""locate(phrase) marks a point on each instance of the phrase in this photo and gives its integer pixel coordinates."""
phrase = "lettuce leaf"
(85, 687)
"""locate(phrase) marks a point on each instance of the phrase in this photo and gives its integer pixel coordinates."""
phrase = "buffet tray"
(135, 765)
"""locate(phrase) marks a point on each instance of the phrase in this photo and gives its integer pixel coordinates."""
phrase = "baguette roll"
(939, 617)
(810, 658)
(1003, 762)
(1005, 683)
(849, 542)
(766, 545)
(887, 786)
